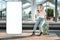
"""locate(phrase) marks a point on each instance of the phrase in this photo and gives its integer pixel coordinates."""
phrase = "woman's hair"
(41, 5)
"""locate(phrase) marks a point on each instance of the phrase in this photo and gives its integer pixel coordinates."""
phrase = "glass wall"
(26, 15)
(27, 9)
(3, 4)
(58, 11)
(49, 7)
(2, 9)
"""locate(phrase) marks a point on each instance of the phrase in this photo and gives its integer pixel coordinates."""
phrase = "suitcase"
(45, 28)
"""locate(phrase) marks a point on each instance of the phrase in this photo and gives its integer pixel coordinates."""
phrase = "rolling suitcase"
(45, 28)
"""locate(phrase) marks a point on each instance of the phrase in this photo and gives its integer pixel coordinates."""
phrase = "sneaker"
(33, 34)
(40, 34)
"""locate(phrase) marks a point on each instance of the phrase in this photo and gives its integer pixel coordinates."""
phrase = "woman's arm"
(45, 16)
(36, 15)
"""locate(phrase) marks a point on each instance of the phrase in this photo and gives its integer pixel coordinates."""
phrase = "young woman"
(40, 20)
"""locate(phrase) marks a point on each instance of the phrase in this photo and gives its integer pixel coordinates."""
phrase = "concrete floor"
(26, 35)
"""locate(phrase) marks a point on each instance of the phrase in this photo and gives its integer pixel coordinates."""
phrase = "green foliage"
(49, 12)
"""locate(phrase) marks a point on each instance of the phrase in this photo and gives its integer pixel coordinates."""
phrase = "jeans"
(39, 23)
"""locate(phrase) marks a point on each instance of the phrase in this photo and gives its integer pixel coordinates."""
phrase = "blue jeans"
(39, 23)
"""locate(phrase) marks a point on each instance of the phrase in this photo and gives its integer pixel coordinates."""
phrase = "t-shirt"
(41, 14)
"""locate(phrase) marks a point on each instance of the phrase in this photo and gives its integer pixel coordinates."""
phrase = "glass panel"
(58, 10)
(26, 15)
(49, 7)
(2, 9)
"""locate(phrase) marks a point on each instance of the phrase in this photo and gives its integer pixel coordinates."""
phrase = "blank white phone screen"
(14, 18)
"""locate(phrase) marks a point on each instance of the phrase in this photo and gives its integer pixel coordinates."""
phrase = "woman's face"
(41, 8)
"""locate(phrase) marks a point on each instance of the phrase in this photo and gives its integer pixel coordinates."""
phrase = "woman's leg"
(36, 25)
(40, 25)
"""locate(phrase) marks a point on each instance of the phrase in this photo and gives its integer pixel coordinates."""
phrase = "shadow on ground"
(57, 39)
(14, 37)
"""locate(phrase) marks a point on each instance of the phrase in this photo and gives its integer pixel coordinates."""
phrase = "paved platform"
(26, 36)
(53, 35)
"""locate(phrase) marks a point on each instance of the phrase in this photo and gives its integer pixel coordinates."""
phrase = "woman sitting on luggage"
(41, 16)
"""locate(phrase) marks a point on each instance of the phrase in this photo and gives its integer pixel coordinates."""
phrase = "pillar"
(33, 9)
(55, 10)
